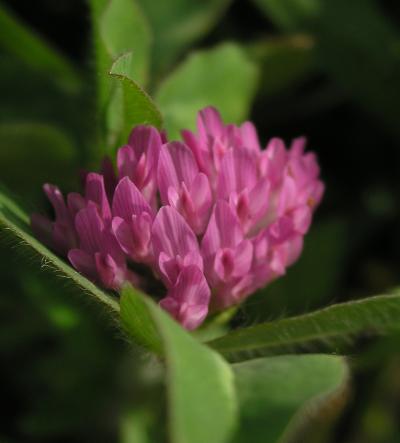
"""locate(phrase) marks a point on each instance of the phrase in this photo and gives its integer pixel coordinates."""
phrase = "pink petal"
(238, 172)
(223, 230)
(209, 123)
(193, 316)
(200, 151)
(188, 299)
(200, 192)
(224, 264)
(250, 137)
(146, 139)
(288, 196)
(129, 201)
(90, 228)
(282, 229)
(83, 263)
(302, 219)
(243, 258)
(294, 249)
(134, 237)
(297, 146)
(111, 274)
(126, 160)
(95, 192)
(273, 160)
(176, 165)
(123, 234)
(57, 200)
(75, 203)
(171, 234)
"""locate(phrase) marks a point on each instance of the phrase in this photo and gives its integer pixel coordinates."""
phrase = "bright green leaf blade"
(118, 27)
(123, 29)
(14, 221)
(17, 39)
(278, 394)
(202, 401)
(34, 153)
(326, 329)
(178, 23)
(138, 107)
(138, 322)
(222, 77)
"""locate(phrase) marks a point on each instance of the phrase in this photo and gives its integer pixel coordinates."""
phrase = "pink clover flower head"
(60, 233)
(99, 256)
(139, 158)
(132, 221)
(183, 186)
(212, 217)
(175, 245)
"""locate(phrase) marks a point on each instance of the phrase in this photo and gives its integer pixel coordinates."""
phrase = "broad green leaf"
(17, 39)
(16, 222)
(123, 29)
(202, 403)
(137, 321)
(327, 329)
(278, 394)
(177, 24)
(119, 28)
(137, 105)
(223, 77)
(34, 153)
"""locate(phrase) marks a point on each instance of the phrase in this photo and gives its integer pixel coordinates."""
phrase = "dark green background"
(66, 372)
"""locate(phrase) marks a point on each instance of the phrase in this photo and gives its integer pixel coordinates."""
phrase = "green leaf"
(223, 77)
(202, 403)
(16, 222)
(34, 153)
(277, 395)
(20, 41)
(123, 29)
(137, 321)
(119, 27)
(327, 329)
(177, 24)
(137, 105)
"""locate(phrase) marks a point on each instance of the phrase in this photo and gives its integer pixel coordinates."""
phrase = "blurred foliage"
(328, 69)
(207, 77)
